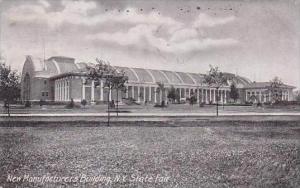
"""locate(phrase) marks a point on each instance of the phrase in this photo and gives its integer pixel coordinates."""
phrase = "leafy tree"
(9, 86)
(276, 89)
(113, 78)
(215, 79)
(233, 93)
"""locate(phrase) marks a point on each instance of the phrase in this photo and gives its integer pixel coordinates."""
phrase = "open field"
(219, 154)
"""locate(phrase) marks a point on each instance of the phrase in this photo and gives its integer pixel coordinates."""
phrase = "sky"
(255, 39)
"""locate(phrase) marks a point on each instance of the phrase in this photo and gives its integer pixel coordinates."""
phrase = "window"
(46, 94)
(45, 82)
(42, 93)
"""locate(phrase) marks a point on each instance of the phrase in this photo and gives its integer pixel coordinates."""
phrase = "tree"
(9, 86)
(113, 78)
(276, 89)
(215, 79)
(233, 93)
(118, 83)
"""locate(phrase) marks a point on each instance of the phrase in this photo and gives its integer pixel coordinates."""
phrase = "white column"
(155, 93)
(139, 90)
(221, 94)
(166, 94)
(198, 95)
(127, 92)
(59, 90)
(55, 91)
(144, 94)
(110, 94)
(202, 98)
(67, 82)
(101, 90)
(57, 87)
(206, 95)
(62, 90)
(66, 91)
(189, 92)
(150, 93)
(180, 94)
(225, 100)
(132, 91)
(93, 91)
(214, 95)
(83, 89)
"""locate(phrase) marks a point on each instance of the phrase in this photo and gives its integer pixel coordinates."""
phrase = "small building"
(62, 79)
(261, 92)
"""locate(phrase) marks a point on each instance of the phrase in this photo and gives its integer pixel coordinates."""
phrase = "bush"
(42, 102)
(83, 102)
(193, 100)
(27, 104)
(71, 104)
(161, 105)
(202, 104)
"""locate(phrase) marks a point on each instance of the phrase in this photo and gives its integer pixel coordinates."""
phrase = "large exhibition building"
(62, 79)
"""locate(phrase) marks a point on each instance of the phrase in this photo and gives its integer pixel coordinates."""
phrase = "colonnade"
(264, 96)
(142, 93)
(62, 90)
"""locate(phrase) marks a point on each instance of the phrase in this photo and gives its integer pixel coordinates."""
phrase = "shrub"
(42, 102)
(27, 104)
(193, 100)
(71, 104)
(83, 102)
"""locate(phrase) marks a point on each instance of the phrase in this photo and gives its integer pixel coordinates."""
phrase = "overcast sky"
(256, 39)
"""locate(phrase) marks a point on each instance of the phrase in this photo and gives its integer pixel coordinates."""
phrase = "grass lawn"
(176, 108)
(214, 155)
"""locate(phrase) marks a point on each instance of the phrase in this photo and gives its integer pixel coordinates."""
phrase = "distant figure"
(41, 102)
(112, 104)
(162, 103)
(146, 102)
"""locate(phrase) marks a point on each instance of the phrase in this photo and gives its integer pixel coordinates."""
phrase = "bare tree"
(215, 79)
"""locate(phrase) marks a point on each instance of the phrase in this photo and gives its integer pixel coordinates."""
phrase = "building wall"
(75, 90)
(40, 89)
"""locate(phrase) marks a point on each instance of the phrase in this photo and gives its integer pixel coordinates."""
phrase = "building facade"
(62, 79)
